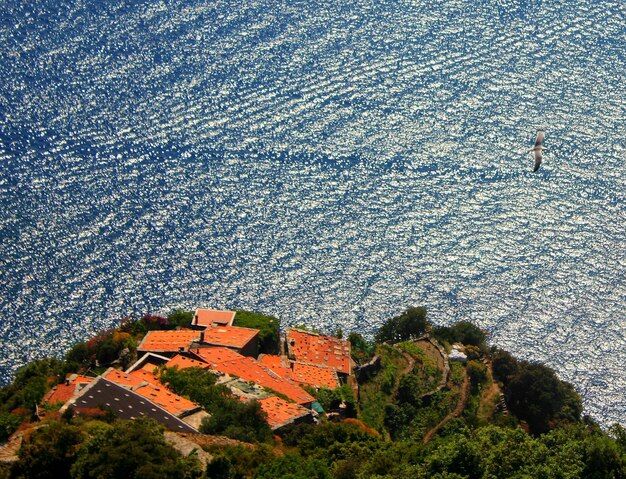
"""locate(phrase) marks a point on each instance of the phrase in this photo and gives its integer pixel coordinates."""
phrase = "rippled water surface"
(329, 162)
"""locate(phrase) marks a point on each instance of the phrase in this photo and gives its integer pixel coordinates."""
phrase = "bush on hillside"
(49, 451)
(410, 324)
(229, 416)
(535, 394)
(179, 318)
(462, 332)
(360, 349)
(130, 449)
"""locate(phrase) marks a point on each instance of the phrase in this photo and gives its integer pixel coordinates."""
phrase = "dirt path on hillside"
(486, 407)
(457, 410)
(409, 367)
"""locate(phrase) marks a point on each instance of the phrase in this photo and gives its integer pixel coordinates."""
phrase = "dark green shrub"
(410, 324)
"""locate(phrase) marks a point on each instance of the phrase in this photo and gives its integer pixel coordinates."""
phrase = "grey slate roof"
(126, 404)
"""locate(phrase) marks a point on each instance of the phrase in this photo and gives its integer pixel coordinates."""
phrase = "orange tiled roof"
(313, 375)
(280, 412)
(216, 355)
(275, 363)
(63, 392)
(146, 373)
(230, 336)
(161, 396)
(83, 379)
(312, 348)
(228, 361)
(182, 362)
(301, 373)
(168, 341)
(154, 392)
(207, 317)
(121, 378)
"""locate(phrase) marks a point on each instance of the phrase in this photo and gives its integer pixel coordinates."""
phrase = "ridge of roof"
(168, 341)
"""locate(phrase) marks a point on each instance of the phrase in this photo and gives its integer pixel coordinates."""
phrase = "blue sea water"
(328, 162)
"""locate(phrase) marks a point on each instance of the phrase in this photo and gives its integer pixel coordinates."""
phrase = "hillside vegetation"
(410, 413)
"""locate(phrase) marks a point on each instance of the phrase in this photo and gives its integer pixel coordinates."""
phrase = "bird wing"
(538, 155)
(539, 140)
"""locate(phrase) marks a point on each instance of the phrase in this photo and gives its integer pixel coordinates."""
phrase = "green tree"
(462, 332)
(8, 425)
(397, 418)
(602, 458)
(78, 355)
(468, 333)
(332, 441)
(132, 449)
(235, 462)
(360, 349)
(197, 384)
(619, 433)
(293, 466)
(229, 416)
(504, 365)
(245, 421)
(537, 396)
(458, 455)
(49, 451)
(31, 383)
(331, 399)
(409, 324)
(180, 318)
(477, 373)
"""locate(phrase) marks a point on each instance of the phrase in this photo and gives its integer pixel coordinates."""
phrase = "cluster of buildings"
(232, 354)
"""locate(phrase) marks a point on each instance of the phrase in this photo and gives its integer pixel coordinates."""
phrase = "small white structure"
(457, 353)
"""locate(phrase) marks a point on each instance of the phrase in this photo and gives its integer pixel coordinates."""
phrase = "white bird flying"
(538, 149)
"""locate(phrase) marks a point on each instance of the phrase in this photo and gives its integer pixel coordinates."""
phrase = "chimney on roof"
(181, 349)
(202, 336)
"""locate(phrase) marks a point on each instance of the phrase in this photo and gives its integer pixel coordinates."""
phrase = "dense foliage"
(535, 394)
(123, 449)
(228, 415)
(410, 324)
(462, 332)
(134, 449)
(361, 349)
(19, 399)
(50, 451)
